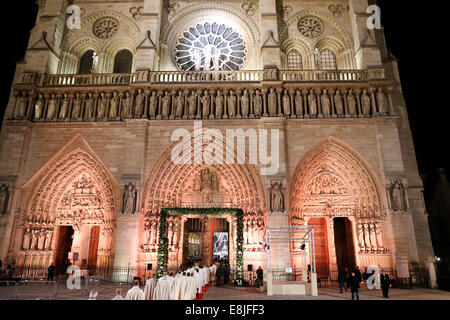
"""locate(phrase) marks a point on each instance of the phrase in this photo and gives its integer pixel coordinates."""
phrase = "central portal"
(205, 240)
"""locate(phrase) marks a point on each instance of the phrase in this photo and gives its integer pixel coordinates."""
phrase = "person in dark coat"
(385, 284)
(51, 272)
(354, 286)
(347, 277)
(260, 277)
(226, 276)
(219, 274)
(342, 279)
(358, 274)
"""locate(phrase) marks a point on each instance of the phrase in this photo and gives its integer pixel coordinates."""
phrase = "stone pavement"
(106, 292)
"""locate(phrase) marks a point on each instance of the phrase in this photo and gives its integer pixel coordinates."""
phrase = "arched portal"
(86, 62)
(202, 186)
(123, 62)
(70, 215)
(335, 191)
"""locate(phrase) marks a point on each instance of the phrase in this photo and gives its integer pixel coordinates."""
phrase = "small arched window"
(86, 62)
(123, 62)
(295, 60)
(327, 60)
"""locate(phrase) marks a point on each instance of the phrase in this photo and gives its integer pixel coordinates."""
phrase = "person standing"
(358, 274)
(51, 272)
(135, 293)
(226, 277)
(93, 295)
(354, 286)
(149, 288)
(219, 274)
(342, 280)
(118, 295)
(259, 277)
(385, 284)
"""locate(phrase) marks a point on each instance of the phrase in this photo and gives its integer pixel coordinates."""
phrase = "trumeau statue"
(272, 102)
(153, 105)
(258, 102)
(286, 104)
(325, 101)
(276, 198)
(338, 103)
(139, 107)
(245, 104)
(179, 105)
(232, 104)
(351, 101)
(129, 199)
(64, 107)
(39, 107)
(298, 103)
(365, 103)
(219, 104)
(312, 101)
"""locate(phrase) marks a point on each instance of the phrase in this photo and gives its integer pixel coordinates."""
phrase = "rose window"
(105, 28)
(310, 26)
(210, 46)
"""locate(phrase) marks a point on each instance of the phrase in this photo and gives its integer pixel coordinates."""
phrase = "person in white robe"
(176, 290)
(135, 293)
(192, 287)
(118, 295)
(149, 288)
(163, 288)
(184, 287)
(212, 270)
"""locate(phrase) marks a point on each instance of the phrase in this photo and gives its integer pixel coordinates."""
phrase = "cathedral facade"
(87, 145)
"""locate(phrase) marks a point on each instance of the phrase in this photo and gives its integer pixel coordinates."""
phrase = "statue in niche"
(48, 240)
(338, 103)
(351, 102)
(89, 107)
(258, 102)
(4, 196)
(361, 237)
(113, 110)
(245, 101)
(64, 107)
(398, 196)
(219, 104)
(165, 105)
(52, 107)
(379, 236)
(76, 107)
(129, 199)
(27, 239)
(286, 104)
(34, 239)
(367, 237)
(179, 105)
(206, 102)
(21, 106)
(382, 103)
(298, 103)
(326, 104)
(373, 237)
(365, 103)
(139, 107)
(39, 107)
(127, 105)
(192, 100)
(41, 240)
(153, 105)
(312, 101)
(277, 198)
(272, 102)
(232, 104)
(101, 106)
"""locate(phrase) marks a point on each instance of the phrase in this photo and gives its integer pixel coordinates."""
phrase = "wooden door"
(321, 246)
(93, 247)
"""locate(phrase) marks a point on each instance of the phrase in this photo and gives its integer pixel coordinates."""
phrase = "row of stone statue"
(254, 232)
(37, 239)
(202, 104)
(370, 238)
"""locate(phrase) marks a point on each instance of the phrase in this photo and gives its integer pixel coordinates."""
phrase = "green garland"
(163, 250)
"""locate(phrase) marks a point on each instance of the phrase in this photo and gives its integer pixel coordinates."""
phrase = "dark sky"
(412, 33)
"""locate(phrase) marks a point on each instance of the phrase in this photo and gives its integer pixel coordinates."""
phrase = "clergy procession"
(190, 284)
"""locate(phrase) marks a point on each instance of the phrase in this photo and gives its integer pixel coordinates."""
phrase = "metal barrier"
(26, 290)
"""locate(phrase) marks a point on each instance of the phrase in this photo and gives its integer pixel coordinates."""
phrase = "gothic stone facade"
(94, 150)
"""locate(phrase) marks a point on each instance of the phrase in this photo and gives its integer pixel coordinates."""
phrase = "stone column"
(331, 245)
(270, 50)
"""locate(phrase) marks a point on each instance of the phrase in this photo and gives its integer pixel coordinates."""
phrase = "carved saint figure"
(153, 105)
(312, 101)
(326, 104)
(298, 103)
(127, 104)
(272, 102)
(129, 199)
(101, 106)
(361, 237)
(373, 237)
(286, 104)
(245, 104)
(179, 105)
(113, 106)
(89, 107)
(257, 104)
(219, 104)
(382, 103)
(232, 104)
(206, 103)
(379, 236)
(367, 236)
(338, 103)
(64, 107)
(4, 194)
(365, 103)
(21, 106)
(76, 108)
(165, 105)
(27, 239)
(52, 107)
(139, 107)
(351, 102)
(398, 196)
(48, 240)
(277, 198)
(192, 104)
(39, 107)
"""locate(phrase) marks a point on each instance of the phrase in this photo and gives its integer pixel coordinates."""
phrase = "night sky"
(412, 33)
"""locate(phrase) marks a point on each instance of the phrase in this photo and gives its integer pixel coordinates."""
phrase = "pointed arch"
(352, 178)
